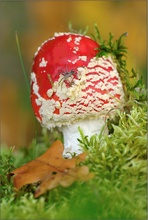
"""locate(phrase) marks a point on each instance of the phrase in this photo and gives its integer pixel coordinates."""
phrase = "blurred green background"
(36, 21)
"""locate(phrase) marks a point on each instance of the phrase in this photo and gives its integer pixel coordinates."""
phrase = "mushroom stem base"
(71, 134)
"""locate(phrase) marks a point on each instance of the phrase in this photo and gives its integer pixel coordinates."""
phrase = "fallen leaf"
(64, 178)
(51, 170)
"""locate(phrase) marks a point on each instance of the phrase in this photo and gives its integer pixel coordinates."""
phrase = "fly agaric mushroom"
(71, 87)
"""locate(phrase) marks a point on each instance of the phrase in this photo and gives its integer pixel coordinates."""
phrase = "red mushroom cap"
(68, 82)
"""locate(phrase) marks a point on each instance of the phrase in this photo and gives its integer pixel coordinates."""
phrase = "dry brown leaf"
(51, 169)
(64, 178)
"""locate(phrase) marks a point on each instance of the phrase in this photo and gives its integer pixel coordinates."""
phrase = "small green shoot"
(80, 31)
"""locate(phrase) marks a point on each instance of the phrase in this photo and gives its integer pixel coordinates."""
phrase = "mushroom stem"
(71, 134)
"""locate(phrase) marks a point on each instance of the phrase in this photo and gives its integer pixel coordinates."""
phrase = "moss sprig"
(6, 165)
(124, 151)
(132, 82)
(116, 48)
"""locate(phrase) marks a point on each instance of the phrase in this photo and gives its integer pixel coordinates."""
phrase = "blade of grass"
(27, 83)
(21, 61)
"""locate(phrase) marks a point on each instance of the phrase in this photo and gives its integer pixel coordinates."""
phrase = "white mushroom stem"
(71, 134)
